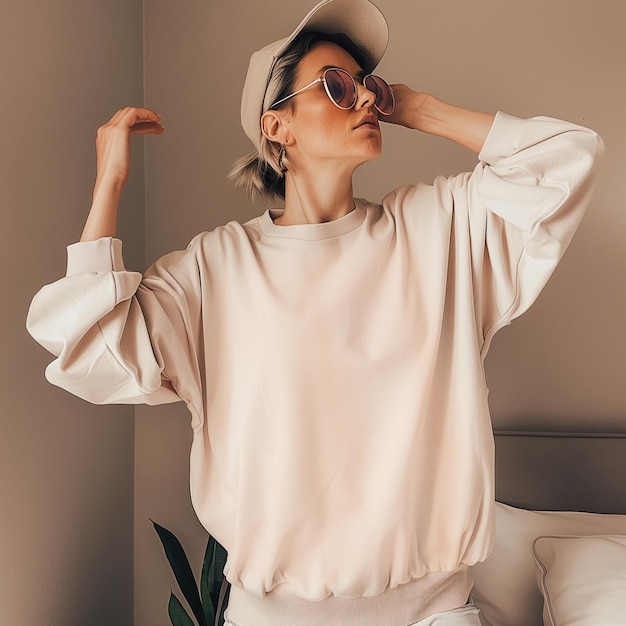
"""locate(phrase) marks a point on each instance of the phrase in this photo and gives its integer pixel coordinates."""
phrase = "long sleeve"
(120, 337)
(534, 183)
(507, 223)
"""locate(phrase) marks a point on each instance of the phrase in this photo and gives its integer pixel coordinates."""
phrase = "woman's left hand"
(409, 103)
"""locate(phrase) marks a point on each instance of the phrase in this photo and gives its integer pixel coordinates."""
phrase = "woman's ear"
(274, 127)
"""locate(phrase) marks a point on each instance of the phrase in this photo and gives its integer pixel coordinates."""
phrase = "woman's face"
(323, 131)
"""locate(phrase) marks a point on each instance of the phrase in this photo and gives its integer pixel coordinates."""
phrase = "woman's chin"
(374, 150)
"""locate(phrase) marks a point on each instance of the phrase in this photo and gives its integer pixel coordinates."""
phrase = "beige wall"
(66, 468)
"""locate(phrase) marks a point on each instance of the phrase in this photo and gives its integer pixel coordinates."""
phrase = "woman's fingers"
(147, 128)
(135, 120)
(148, 123)
(142, 121)
(409, 106)
(130, 115)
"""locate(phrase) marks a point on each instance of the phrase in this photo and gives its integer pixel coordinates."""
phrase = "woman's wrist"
(429, 113)
(102, 218)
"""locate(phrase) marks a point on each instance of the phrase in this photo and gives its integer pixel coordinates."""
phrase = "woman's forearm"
(424, 112)
(463, 126)
(102, 218)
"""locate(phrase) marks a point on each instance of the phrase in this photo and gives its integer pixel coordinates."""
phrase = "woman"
(330, 353)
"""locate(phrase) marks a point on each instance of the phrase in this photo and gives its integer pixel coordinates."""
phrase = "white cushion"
(582, 579)
(505, 587)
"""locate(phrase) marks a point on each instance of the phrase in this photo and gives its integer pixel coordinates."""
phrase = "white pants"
(463, 616)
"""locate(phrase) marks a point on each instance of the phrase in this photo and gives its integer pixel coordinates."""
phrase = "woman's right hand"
(113, 143)
(113, 164)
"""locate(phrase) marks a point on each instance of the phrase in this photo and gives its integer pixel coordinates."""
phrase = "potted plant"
(207, 600)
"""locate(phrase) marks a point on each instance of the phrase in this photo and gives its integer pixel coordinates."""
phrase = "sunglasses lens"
(383, 101)
(341, 88)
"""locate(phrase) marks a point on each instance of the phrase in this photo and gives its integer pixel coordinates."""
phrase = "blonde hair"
(258, 173)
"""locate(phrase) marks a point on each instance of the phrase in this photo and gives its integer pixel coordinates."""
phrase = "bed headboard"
(555, 471)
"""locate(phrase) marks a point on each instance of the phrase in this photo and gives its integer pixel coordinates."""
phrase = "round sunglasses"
(342, 90)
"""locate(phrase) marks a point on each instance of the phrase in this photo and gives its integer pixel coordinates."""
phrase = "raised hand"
(408, 105)
(113, 165)
(113, 142)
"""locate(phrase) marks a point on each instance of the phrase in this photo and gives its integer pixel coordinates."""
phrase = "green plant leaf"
(219, 561)
(207, 603)
(222, 603)
(177, 613)
(212, 576)
(217, 572)
(182, 571)
(206, 584)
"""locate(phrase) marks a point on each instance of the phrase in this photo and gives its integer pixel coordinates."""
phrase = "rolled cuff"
(100, 255)
(502, 139)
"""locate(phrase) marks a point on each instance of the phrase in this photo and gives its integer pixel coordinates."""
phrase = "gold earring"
(281, 155)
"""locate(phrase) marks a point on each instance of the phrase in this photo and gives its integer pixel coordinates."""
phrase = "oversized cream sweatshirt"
(334, 372)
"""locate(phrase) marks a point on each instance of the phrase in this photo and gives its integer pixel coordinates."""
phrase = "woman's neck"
(315, 200)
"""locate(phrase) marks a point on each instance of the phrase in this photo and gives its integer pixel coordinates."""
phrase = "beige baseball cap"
(361, 20)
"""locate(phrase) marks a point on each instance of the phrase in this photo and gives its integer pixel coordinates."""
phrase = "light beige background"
(75, 493)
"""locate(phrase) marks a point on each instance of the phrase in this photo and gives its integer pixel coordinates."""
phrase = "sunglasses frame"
(322, 79)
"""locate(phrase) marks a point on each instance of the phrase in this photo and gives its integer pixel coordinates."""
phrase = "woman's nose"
(365, 97)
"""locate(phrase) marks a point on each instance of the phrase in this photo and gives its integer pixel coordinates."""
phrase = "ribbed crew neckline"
(312, 232)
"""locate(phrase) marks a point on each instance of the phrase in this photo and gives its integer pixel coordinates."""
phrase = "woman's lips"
(369, 121)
